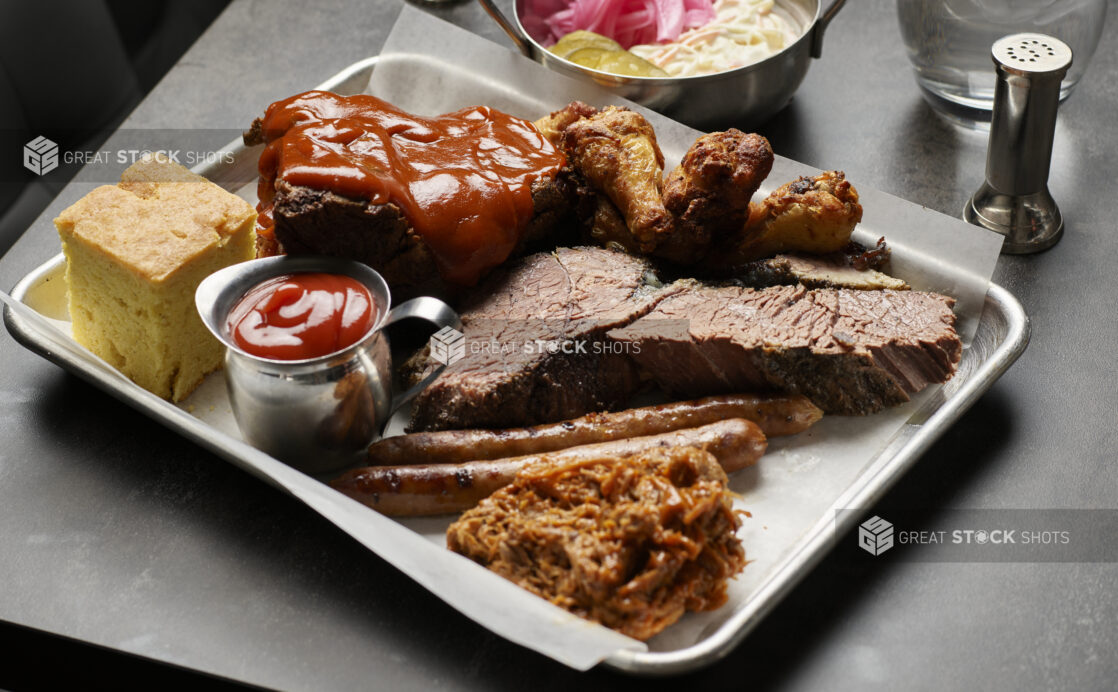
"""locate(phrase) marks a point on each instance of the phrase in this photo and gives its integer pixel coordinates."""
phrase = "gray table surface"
(115, 531)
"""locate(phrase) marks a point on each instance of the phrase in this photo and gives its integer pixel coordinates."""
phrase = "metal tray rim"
(731, 632)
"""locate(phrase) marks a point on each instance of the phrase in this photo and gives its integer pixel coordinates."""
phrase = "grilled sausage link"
(425, 489)
(776, 415)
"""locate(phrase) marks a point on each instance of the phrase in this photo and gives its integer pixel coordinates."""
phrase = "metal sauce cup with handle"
(316, 414)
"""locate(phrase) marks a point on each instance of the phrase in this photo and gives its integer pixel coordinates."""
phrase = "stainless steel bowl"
(316, 414)
(743, 97)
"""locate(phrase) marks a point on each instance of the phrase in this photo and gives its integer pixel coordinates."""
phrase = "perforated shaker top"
(1032, 54)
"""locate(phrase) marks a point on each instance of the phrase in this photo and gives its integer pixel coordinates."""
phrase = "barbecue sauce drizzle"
(463, 180)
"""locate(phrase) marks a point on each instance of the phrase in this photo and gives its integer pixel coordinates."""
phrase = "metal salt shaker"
(1014, 200)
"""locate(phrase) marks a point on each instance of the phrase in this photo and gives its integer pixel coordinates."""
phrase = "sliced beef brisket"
(850, 352)
(535, 347)
(557, 335)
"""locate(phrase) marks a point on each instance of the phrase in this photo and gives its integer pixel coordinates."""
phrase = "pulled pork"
(631, 543)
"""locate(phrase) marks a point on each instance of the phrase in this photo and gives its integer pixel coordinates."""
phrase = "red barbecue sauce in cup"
(301, 316)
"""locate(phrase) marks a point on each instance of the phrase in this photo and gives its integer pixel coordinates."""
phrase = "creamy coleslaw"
(743, 32)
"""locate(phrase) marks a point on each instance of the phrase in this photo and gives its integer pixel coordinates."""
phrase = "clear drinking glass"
(949, 42)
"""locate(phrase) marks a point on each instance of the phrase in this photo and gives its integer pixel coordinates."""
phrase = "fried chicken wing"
(814, 215)
(615, 150)
(708, 193)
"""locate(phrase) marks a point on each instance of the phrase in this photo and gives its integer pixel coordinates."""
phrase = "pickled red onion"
(629, 22)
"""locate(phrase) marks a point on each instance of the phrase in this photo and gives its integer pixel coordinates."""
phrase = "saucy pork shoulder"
(450, 196)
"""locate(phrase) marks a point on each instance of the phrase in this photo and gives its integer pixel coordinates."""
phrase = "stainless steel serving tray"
(1002, 335)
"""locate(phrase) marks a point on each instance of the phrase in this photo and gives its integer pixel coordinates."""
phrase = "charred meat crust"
(813, 271)
(254, 134)
(312, 221)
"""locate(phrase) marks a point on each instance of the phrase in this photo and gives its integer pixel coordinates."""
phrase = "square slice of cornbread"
(135, 253)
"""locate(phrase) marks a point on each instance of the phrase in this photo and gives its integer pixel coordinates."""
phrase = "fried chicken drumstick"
(708, 193)
(615, 150)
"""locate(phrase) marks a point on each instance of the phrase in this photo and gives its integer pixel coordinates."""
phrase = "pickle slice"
(625, 63)
(599, 52)
(577, 40)
(590, 57)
